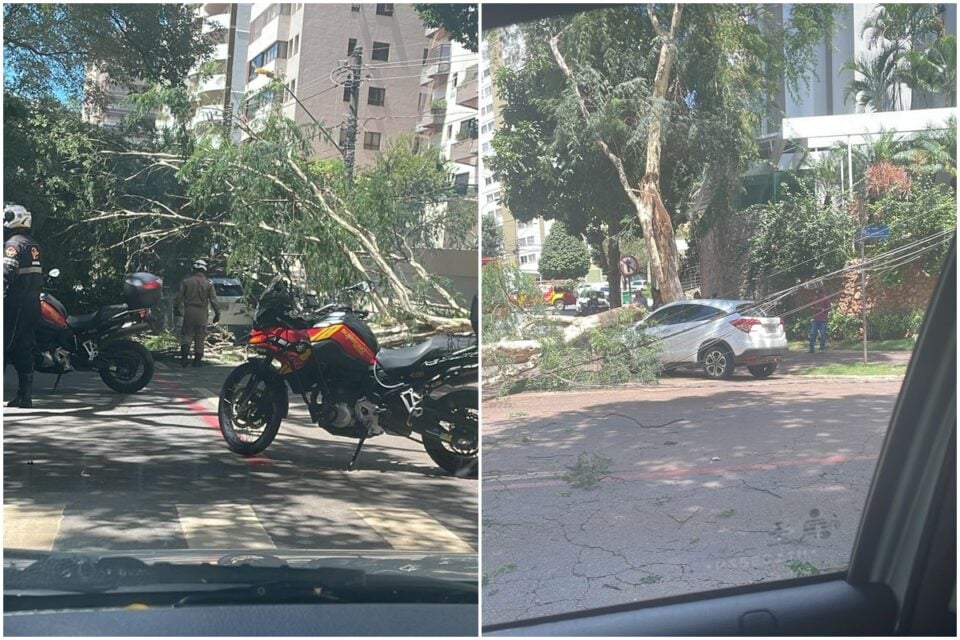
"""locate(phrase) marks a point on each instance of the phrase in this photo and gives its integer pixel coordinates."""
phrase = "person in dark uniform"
(196, 292)
(22, 282)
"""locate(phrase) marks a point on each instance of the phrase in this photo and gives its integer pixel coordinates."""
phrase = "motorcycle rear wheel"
(264, 411)
(462, 406)
(128, 366)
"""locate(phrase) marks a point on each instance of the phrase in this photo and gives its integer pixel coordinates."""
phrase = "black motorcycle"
(97, 341)
(352, 388)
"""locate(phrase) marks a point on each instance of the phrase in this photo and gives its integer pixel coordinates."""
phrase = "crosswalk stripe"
(222, 526)
(413, 530)
(31, 527)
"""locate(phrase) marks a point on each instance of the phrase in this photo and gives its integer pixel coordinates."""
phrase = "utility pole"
(350, 144)
(863, 281)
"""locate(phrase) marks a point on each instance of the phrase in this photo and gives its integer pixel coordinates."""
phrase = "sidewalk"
(796, 360)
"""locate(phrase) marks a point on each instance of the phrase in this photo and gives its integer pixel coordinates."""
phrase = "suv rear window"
(754, 310)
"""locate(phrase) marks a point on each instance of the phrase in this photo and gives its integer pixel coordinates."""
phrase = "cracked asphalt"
(612, 496)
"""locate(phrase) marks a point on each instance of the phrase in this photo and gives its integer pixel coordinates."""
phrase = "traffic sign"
(879, 232)
(629, 266)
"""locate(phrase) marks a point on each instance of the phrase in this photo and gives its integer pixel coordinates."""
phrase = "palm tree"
(907, 26)
(878, 86)
(934, 69)
(935, 150)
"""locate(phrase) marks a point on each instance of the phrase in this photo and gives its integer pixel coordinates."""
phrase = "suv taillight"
(745, 324)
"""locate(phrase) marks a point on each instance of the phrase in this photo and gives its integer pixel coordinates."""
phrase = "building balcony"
(437, 70)
(210, 113)
(468, 94)
(465, 151)
(216, 8)
(216, 22)
(212, 84)
(431, 120)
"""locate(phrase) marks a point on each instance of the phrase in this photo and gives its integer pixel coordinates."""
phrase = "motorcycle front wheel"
(456, 450)
(127, 366)
(250, 410)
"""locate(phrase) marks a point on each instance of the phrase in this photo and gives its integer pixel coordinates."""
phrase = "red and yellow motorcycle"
(331, 359)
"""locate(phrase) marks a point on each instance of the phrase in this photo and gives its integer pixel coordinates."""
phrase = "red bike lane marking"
(492, 484)
(204, 413)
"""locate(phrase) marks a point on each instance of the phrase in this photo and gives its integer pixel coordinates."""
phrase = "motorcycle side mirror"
(54, 273)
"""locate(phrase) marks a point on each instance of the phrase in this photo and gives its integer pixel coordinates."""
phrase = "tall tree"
(668, 98)
(459, 21)
(49, 47)
(492, 237)
(564, 257)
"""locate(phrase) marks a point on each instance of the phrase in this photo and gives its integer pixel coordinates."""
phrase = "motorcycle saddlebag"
(142, 290)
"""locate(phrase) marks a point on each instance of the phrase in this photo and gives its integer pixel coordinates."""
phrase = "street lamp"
(263, 71)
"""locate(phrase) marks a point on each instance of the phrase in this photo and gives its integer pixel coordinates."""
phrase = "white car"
(235, 312)
(718, 335)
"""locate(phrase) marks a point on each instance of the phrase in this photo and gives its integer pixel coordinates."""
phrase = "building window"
(347, 93)
(376, 96)
(493, 197)
(488, 180)
(487, 128)
(296, 44)
(351, 45)
(455, 79)
(486, 73)
(271, 53)
(355, 7)
(461, 182)
(371, 141)
(343, 137)
(381, 51)
(449, 131)
(426, 52)
(293, 86)
(486, 147)
(524, 259)
(486, 110)
(488, 91)
(384, 9)
(272, 12)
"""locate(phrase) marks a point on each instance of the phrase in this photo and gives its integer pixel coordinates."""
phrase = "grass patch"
(496, 573)
(901, 344)
(802, 568)
(588, 471)
(650, 579)
(854, 369)
(727, 513)
(517, 414)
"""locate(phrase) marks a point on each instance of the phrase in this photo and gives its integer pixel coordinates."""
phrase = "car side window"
(701, 313)
(678, 314)
(657, 318)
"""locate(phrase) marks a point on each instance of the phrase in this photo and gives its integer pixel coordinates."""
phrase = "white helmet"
(200, 265)
(16, 217)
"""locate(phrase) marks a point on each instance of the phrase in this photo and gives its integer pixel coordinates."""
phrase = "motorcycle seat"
(84, 321)
(404, 358)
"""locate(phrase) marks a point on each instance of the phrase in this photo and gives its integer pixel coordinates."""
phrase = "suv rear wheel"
(717, 361)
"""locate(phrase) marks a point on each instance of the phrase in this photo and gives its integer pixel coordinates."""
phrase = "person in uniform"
(196, 293)
(22, 283)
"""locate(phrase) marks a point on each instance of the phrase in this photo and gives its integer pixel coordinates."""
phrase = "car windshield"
(162, 441)
(721, 430)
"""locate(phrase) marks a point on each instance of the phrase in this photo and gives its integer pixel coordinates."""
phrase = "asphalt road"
(614, 496)
(91, 469)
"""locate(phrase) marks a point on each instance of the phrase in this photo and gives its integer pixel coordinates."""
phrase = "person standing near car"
(196, 293)
(22, 283)
(818, 326)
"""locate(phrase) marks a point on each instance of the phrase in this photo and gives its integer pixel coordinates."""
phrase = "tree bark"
(613, 265)
(647, 201)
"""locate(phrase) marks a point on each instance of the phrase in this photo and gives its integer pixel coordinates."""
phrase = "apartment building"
(522, 241)
(822, 116)
(448, 101)
(219, 82)
(116, 105)
(308, 45)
